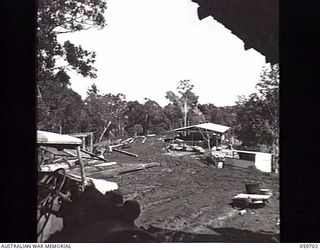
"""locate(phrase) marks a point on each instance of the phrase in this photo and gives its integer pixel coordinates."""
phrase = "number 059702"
(308, 245)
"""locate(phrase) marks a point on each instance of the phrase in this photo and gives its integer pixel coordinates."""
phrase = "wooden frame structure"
(83, 137)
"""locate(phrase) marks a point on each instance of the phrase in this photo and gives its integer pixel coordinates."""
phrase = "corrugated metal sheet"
(251, 152)
(208, 126)
(213, 127)
(82, 134)
(48, 138)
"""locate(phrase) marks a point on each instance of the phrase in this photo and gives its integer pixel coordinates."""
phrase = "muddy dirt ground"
(186, 200)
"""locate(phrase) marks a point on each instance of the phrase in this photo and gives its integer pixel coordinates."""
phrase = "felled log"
(106, 164)
(144, 140)
(127, 140)
(116, 145)
(105, 128)
(93, 155)
(124, 169)
(125, 152)
(93, 169)
(142, 165)
(92, 162)
(128, 168)
(97, 163)
(151, 135)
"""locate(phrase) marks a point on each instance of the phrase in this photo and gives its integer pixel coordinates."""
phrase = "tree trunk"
(275, 153)
(91, 143)
(185, 112)
(104, 131)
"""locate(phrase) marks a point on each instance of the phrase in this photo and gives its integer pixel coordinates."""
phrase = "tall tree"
(220, 115)
(258, 115)
(60, 16)
(134, 113)
(55, 60)
(61, 110)
(185, 99)
(154, 121)
(173, 116)
(106, 113)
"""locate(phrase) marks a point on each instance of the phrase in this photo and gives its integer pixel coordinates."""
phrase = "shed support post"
(91, 143)
(81, 167)
(83, 139)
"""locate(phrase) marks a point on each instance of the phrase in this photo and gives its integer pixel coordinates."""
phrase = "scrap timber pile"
(185, 200)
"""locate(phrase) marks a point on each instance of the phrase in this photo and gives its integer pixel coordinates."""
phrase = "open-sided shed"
(213, 133)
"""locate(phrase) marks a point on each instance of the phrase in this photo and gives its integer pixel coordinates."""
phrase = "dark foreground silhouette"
(225, 235)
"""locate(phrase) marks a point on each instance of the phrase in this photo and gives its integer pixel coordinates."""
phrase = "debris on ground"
(183, 199)
(125, 152)
(185, 195)
(242, 212)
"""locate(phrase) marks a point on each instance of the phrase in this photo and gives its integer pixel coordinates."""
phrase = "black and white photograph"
(157, 121)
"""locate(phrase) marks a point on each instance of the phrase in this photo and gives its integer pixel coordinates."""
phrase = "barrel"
(253, 188)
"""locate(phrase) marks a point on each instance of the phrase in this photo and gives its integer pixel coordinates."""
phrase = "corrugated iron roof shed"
(213, 127)
(208, 126)
(82, 134)
(47, 138)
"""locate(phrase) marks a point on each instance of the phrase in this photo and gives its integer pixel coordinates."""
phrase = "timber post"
(81, 167)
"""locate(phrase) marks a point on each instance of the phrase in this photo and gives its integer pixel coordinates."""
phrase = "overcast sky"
(149, 45)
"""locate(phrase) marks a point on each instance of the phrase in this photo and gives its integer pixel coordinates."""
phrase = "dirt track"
(185, 200)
